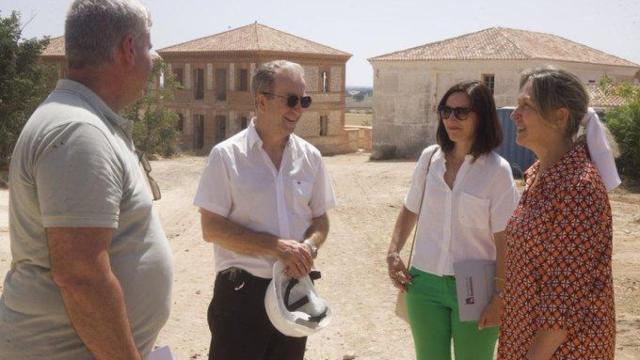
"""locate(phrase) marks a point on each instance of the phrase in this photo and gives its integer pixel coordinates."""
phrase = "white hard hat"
(293, 306)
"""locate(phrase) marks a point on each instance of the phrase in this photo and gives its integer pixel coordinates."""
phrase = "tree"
(24, 83)
(624, 123)
(154, 129)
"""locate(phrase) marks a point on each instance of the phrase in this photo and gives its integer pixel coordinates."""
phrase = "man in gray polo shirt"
(91, 268)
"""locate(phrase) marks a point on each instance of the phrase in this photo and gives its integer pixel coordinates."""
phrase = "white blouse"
(458, 224)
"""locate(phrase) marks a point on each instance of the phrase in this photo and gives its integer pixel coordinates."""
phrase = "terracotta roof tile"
(55, 47)
(601, 99)
(254, 37)
(506, 44)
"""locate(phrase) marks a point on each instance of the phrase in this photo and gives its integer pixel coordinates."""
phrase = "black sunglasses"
(292, 100)
(460, 113)
(155, 188)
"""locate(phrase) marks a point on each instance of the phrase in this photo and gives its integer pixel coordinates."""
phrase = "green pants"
(433, 315)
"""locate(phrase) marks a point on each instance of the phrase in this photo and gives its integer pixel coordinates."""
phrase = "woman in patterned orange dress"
(558, 294)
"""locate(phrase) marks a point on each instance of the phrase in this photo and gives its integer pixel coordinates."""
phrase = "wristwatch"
(312, 247)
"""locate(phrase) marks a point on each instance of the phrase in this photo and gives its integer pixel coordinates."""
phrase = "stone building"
(53, 55)
(214, 100)
(214, 97)
(408, 84)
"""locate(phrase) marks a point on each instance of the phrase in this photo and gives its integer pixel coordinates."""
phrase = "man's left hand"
(296, 258)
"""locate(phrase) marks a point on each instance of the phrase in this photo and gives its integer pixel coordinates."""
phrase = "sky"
(371, 28)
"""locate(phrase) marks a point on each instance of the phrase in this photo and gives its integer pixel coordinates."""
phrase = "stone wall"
(240, 103)
(406, 95)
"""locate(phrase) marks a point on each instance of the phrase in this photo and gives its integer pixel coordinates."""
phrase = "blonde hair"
(552, 89)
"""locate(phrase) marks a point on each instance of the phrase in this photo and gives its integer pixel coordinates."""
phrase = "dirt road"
(352, 262)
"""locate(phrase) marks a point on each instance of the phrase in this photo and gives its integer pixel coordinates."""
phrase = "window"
(244, 122)
(243, 80)
(198, 75)
(324, 77)
(178, 73)
(221, 128)
(198, 131)
(221, 84)
(180, 123)
(489, 80)
(324, 125)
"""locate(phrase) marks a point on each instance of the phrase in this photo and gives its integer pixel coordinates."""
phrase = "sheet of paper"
(474, 286)
(161, 353)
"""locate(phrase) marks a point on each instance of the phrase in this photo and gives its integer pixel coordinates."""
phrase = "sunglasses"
(460, 113)
(155, 188)
(292, 100)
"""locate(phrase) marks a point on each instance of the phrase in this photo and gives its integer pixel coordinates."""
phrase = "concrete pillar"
(188, 122)
(209, 76)
(232, 83)
(187, 76)
(252, 69)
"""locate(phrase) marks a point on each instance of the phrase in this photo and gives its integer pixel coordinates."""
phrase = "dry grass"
(356, 119)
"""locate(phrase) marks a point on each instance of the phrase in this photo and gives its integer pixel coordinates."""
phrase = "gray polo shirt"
(75, 166)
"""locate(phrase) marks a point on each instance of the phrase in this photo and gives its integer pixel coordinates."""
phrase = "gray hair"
(552, 89)
(265, 75)
(94, 29)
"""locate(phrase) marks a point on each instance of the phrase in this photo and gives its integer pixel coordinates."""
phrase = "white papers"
(474, 286)
(161, 353)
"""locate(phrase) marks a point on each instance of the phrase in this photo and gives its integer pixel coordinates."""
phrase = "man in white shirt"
(263, 196)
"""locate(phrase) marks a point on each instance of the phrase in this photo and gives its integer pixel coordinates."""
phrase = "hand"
(398, 271)
(491, 314)
(296, 257)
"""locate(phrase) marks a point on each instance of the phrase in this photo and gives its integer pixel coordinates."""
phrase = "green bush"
(624, 123)
(24, 83)
(154, 128)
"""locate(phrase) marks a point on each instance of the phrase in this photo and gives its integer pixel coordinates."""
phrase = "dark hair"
(488, 134)
(552, 89)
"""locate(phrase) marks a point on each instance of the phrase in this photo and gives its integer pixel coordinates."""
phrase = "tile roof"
(506, 44)
(602, 99)
(256, 38)
(55, 47)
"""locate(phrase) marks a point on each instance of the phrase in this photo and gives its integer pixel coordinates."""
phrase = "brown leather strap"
(424, 189)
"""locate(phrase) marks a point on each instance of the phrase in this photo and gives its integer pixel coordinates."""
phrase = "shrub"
(624, 123)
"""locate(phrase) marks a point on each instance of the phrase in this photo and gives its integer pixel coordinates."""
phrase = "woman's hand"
(398, 271)
(491, 314)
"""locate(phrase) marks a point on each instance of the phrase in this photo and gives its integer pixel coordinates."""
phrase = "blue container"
(519, 157)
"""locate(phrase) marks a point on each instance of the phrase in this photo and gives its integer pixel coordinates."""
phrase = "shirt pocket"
(302, 196)
(473, 211)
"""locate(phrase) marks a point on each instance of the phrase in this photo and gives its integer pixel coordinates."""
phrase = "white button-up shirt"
(241, 183)
(458, 224)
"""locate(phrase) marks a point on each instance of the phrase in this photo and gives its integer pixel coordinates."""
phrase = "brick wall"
(240, 103)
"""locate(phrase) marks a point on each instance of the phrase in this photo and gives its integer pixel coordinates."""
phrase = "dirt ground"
(352, 262)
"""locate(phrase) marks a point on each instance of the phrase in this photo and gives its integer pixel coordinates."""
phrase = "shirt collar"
(567, 164)
(96, 102)
(439, 157)
(252, 135)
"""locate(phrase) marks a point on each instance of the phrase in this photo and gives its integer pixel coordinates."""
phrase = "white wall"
(406, 93)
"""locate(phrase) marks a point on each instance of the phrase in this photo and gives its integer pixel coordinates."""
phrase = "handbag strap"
(424, 189)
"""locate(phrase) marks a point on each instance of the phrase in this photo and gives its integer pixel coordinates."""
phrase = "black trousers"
(240, 327)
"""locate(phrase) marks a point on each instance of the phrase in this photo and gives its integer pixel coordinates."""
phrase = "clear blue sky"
(374, 27)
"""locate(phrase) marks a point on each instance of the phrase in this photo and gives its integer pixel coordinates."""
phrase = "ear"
(562, 117)
(127, 50)
(261, 102)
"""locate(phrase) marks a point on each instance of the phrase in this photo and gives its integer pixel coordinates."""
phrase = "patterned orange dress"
(558, 270)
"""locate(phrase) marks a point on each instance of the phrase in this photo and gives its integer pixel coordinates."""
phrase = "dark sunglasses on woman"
(460, 113)
(292, 100)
